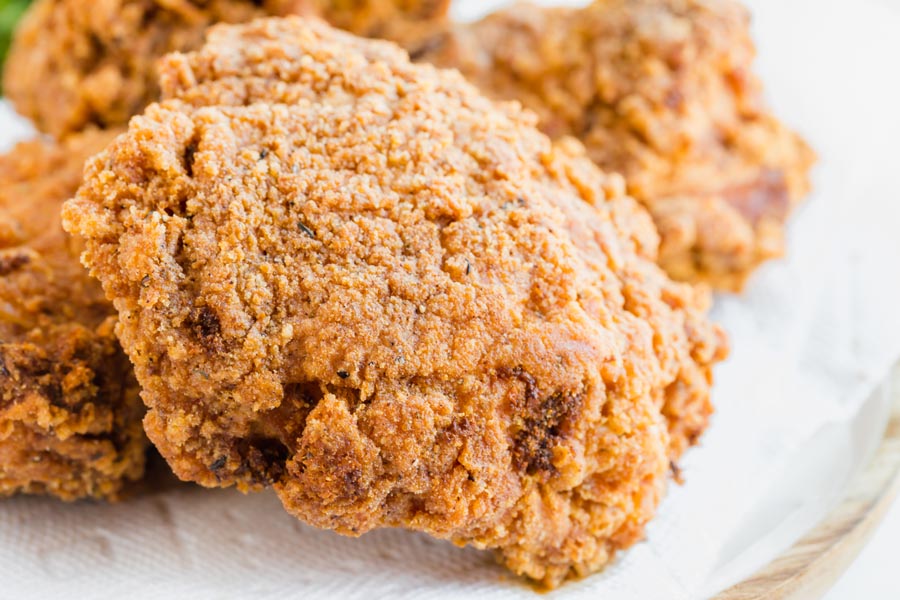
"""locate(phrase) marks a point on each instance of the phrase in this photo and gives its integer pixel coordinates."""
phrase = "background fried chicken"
(360, 282)
(663, 92)
(384, 19)
(72, 65)
(70, 416)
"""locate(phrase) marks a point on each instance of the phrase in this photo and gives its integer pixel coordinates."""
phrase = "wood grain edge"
(811, 566)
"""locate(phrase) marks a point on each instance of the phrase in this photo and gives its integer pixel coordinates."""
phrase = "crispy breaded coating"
(70, 415)
(72, 65)
(663, 92)
(359, 281)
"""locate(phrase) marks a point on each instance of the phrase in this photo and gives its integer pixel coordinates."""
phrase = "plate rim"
(812, 565)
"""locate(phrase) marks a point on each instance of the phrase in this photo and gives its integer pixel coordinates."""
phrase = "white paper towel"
(812, 337)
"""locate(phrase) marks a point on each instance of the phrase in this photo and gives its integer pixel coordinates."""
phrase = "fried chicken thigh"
(362, 283)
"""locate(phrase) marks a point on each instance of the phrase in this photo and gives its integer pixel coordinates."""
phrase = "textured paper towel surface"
(812, 337)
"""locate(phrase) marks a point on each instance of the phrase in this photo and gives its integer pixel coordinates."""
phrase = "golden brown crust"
(70, 66)
(661, 91)
(360, 282)
(70, 416)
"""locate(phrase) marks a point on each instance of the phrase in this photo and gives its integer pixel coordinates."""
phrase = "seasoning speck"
(306, 230)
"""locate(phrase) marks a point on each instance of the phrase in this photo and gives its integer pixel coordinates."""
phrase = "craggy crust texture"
(70, 415)
(361, 282)
(72, 65)
(662, 92)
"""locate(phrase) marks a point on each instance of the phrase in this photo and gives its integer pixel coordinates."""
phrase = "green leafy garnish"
(10, 13)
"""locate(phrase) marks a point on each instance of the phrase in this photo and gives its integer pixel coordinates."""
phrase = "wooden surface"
(811, 566)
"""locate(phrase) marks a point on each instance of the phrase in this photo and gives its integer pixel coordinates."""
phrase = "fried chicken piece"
(71, 66)
(70, 415)
(362, 283)
(661, 91)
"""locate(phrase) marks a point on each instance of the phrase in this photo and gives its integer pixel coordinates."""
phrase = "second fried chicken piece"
(72, 65)
(662, 92)
(359, 281)
(70, 416)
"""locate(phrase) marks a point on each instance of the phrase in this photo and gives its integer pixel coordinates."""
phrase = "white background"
(875, 575)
